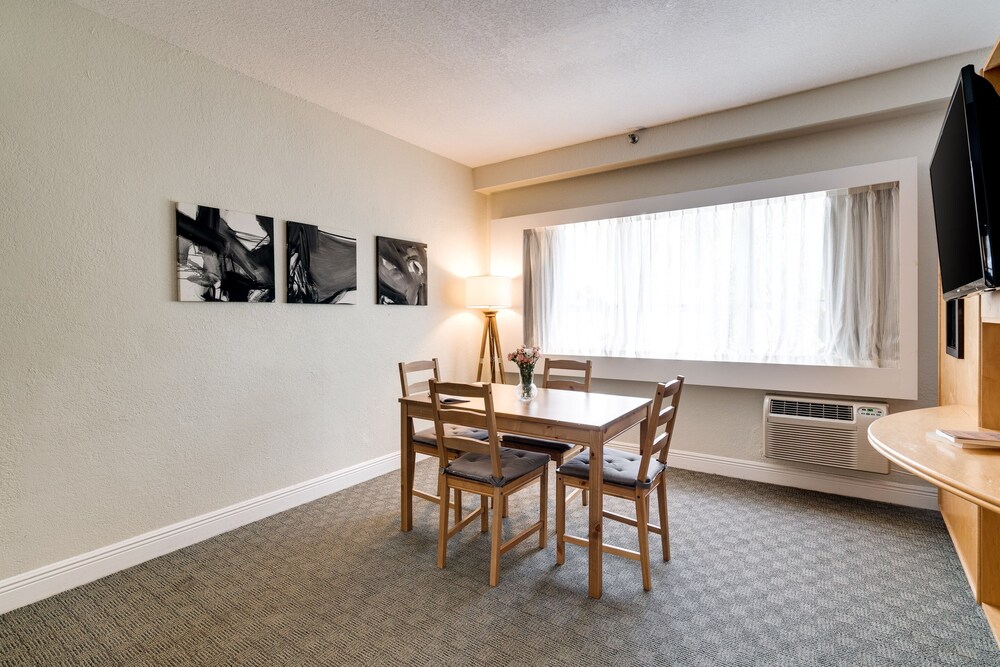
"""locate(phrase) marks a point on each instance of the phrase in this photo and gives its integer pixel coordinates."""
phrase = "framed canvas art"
(224, 255)
(322, 266)
(401, 267)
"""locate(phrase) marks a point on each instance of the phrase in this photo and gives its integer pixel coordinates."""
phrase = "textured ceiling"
(481, 82)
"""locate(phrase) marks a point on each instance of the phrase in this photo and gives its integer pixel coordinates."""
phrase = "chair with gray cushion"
(632, 477)
(414, 377)
(560, 452)
(482, 467)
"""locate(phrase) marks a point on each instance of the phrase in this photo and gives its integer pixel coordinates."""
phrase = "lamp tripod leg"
(482, 350)
(499, 352)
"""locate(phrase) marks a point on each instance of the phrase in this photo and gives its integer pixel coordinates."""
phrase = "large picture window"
(803, 279)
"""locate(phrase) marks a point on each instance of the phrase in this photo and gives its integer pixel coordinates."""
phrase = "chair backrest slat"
(420, 386)
(468, 415)
(660, 416)
(659, 443)
(461, 444)
(577, 384)
(463, 416)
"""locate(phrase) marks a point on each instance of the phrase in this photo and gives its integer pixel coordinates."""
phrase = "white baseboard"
(48, 580)
(910, 495)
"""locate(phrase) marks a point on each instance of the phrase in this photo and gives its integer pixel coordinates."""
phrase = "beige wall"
(728, 422)
(122, 410)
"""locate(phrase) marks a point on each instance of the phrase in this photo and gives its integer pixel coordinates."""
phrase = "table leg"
(595, 532)
(407, 459)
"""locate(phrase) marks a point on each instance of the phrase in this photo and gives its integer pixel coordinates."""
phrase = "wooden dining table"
(588, 419)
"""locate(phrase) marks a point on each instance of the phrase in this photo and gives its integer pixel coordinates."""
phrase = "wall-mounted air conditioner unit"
(824, 432)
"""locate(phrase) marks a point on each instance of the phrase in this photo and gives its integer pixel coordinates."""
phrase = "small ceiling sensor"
(633, 138)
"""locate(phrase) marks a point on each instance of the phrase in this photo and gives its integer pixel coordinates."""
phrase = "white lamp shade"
(487, 292)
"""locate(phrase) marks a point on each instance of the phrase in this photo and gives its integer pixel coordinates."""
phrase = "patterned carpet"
(761, 575)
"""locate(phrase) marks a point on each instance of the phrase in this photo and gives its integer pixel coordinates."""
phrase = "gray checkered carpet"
(761, 575)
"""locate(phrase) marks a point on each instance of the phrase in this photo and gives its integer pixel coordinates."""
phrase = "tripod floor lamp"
(489, 293)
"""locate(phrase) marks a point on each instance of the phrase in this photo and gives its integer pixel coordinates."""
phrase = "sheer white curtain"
(735, 282)
(861, 269)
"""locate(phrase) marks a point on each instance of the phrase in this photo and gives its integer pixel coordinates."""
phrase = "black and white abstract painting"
(322, 267)
(224, 255)
(402, 272)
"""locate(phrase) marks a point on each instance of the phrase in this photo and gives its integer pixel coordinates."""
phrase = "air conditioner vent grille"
(826, 446)
(815, 410)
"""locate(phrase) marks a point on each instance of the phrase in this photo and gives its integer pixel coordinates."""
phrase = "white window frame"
(506, 256)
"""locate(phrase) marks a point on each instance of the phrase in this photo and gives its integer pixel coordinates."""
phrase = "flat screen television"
(965, 184)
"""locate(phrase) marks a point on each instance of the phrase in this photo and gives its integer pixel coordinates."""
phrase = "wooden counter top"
(907, 439)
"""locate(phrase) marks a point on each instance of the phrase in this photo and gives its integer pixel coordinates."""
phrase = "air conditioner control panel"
(864, 411)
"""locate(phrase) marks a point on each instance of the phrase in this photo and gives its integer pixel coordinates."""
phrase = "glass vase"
(527, 389)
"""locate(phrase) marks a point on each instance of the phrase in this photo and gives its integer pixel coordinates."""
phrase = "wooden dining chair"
(414, 377)
(558, 451)
(576, 383)
(632, 477)
(484, 468)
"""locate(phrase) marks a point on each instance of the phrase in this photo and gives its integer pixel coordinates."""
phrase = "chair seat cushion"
(429, 436)
(513, 440)
(621, 468)
(514, 463)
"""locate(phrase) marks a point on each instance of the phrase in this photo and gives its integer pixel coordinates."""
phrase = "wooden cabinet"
(974, 380)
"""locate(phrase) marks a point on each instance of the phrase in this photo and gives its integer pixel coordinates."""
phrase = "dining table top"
(557, 407)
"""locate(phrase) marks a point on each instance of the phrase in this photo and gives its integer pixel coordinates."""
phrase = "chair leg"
(543, 507)
(442, 519)
(560, 520)
(506, 508)
(458, 506)
(496, 538)
(484, 520)
(661, 498)
(642, 522)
